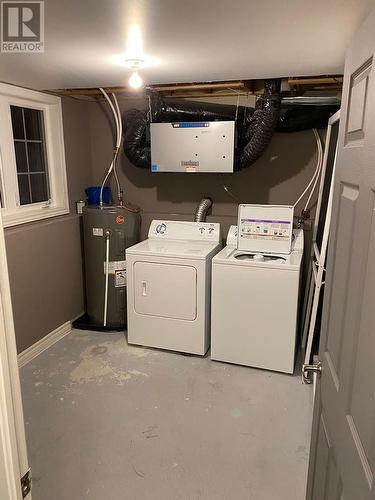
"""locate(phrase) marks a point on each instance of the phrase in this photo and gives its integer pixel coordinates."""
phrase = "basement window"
(32, 161)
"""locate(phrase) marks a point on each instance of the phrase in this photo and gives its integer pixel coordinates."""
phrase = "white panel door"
(342, 463)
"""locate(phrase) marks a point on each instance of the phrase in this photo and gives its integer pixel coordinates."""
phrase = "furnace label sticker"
(191, 169)
(190, 165)
(263, 229)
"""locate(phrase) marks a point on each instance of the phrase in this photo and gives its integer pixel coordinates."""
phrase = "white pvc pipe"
(118, 143)
(318, 167)
(106, 278)
(118, 124)
(320, 159)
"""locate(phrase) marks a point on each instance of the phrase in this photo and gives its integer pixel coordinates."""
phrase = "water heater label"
(97, 231)
(266, 229)
(115, 265)
(120, 219)
(120, 278)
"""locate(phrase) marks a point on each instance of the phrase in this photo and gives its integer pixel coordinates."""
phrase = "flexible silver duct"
(201, 211)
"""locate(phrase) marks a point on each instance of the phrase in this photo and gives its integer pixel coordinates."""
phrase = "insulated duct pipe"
(201, 211)
(260, 125)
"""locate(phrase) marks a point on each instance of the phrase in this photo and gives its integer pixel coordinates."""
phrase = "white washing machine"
(169, 286)
(255, 301)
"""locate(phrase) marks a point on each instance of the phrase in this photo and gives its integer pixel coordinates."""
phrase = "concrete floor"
(108, 421)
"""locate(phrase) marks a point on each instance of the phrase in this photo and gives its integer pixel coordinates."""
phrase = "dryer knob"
(258, 257)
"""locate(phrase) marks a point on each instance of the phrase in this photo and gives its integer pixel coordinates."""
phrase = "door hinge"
(26, 482)
(307, 369)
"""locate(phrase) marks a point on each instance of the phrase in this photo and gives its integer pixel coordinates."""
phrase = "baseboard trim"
(43, 344)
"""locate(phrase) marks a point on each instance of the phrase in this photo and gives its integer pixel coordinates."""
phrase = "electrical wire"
(228, 191)
(316, 172)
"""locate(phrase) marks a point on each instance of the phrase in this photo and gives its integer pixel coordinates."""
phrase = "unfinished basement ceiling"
(195, 40)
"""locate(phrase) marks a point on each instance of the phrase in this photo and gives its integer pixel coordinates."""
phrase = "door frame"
(316, 274)
(13, 451)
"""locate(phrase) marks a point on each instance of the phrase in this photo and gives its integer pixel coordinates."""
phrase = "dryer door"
(166, 290)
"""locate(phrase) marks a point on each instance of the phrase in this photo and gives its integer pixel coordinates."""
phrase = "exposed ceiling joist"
(211, 89)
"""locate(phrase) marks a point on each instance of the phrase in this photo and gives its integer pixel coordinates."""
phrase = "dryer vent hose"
(201, 211)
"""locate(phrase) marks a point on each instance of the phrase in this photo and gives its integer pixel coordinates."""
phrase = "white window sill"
(24, 216)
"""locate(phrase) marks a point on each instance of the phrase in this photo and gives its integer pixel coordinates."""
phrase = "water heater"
(108, 231)
(192, 146)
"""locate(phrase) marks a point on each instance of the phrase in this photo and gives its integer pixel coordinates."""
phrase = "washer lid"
(172, 248)
(230, 256)
(292, 261)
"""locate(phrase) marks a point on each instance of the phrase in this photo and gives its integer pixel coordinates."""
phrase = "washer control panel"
(265, 228)
(183, 230)
(232, 236)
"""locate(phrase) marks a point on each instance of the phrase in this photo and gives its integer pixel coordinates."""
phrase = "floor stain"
(95, 364)
(236, 412)
(149, 433)
(138, 472)
(100, 349)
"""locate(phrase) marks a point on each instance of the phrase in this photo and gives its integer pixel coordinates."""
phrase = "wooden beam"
(185, 95)
(92, 91)
(197, 86)
(208, 89)
(318, 80)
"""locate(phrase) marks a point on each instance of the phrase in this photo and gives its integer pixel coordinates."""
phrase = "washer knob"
(258, 257)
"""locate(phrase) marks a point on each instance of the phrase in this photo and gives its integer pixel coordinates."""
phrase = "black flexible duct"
(301, 117)
(171, 110)
(136, 125)
(260, 125)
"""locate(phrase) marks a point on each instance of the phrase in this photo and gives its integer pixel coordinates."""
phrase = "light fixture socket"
(134, 64)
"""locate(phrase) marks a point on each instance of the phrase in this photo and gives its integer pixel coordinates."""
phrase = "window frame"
(13, 213)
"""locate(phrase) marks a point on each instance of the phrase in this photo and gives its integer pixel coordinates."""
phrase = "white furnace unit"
(255, 293)
(169, 286)
(192, 146)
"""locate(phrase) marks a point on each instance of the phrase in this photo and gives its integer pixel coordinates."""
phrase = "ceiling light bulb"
(135, 81)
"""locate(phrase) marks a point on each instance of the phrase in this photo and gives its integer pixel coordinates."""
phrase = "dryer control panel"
(183, 230)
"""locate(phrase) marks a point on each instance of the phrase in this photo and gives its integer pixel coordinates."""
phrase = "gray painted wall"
(44, 258)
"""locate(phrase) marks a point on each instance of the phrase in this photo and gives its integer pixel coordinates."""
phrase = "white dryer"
(255, 306)
(169, 286)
